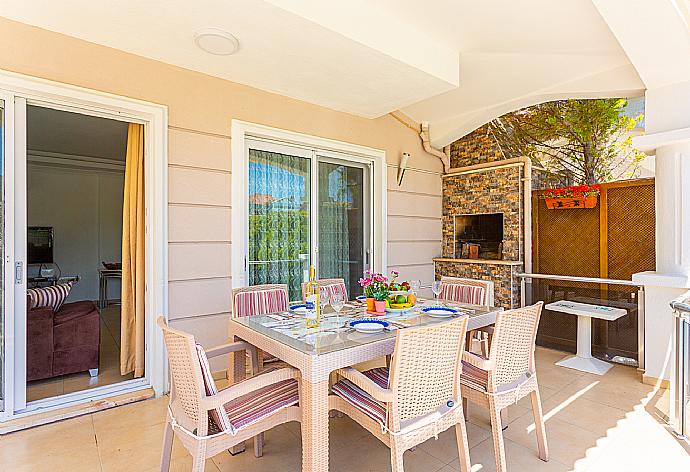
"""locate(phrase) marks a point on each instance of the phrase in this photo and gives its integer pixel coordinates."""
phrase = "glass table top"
(335, 333)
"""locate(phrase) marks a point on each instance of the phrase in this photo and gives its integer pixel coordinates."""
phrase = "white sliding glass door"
(343, 196)
(306, 207)
(2, 255)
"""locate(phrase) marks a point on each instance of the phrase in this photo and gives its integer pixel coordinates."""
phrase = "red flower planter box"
(581, 196)
(565, 203)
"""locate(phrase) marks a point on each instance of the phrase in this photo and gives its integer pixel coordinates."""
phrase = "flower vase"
(380, 306)
(371, 307)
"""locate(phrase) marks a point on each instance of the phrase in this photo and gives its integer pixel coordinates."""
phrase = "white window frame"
(243, 131)
(154, 117)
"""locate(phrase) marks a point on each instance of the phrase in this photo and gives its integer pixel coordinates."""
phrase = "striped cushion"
(474, 377)
(335, 288)
(260, 302)
(328, 288)
(461, 293)
(252, 407)
(52, 297)
(217, 415)
(360, 399)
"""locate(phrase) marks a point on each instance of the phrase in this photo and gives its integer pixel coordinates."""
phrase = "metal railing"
(680, 377)
(524, 278)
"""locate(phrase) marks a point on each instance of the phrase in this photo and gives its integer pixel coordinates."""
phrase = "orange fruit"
(412, 299)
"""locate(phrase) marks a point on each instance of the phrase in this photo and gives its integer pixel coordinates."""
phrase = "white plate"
(369, 328)
(439, 313)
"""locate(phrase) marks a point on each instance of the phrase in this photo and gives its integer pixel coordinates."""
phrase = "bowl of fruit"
(400, 302)
(399, 296)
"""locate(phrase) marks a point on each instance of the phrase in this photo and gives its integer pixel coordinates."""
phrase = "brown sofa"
(62, 342)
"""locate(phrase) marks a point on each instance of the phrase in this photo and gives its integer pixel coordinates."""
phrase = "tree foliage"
(575, 141)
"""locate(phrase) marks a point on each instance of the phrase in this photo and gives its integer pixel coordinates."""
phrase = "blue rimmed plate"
(440, 312)
(369, 325)
(300, 308)
(361, 298)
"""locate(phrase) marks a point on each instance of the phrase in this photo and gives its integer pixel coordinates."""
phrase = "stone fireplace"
(482, 218)
(478, 236)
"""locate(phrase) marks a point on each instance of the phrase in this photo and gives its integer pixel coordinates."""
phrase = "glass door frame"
(242, 132)
(316, 157)
(7, 382)
(367, 168)
(20, 89)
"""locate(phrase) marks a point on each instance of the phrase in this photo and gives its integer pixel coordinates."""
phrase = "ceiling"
(453, 63)
(62, 132)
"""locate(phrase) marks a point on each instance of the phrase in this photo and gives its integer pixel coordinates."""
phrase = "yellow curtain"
(132, 354)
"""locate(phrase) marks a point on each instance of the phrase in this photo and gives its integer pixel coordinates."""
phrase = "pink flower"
(395, 273)
(365, 282)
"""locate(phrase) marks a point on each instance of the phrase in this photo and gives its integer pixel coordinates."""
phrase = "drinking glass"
(414, 286)
(324, 300)
(337, 302)
(436, 288)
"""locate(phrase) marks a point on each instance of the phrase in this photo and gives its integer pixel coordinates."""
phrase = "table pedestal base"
(591, 365)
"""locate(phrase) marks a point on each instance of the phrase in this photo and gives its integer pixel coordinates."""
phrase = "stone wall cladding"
(477, 147)
(504, 277)
(492, 191)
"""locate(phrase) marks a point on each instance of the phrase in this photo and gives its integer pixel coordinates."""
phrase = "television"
(39, 245)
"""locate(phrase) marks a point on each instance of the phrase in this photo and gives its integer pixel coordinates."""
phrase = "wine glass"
(324, 300)
(337, 302)
(436, 288)
(414, 286)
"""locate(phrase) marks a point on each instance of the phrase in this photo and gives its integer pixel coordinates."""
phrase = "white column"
(672, 185)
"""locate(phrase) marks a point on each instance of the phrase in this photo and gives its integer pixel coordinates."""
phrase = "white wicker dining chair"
(507, 375)
(208, 421)
(330, 286)
(418, 398)
(475, 292)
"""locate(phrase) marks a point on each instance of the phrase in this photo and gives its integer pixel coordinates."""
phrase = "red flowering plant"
(576, 191)
(375, 285)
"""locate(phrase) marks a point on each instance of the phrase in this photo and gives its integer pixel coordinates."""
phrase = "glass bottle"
(313, 300)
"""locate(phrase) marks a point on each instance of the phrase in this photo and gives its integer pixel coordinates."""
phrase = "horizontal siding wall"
(199, 251)
(200, 113)
(414, 224)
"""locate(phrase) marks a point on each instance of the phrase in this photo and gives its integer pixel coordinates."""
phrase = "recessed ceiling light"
(216, 41)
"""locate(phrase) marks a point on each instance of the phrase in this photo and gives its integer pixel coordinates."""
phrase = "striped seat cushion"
(461, 293)
(360, 399)
(474, 377)
(260, 302)
(252, 407)
(328, 289)
(217, 416)
(335, 288)
(53, 296)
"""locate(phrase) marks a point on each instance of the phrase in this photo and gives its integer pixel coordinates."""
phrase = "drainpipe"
(526, 164)
(426, 143)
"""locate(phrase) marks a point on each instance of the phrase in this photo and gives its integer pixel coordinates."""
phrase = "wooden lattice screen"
(613, 240)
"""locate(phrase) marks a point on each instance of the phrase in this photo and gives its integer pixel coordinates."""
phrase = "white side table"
(583, 359)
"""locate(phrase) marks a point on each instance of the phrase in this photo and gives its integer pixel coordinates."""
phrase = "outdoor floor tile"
(445, 448)
(604, 423)
(518, 458)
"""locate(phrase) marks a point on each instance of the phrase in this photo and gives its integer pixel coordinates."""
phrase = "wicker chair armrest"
(228, 348)
(366, 384)
(477, 361)
(247, 386)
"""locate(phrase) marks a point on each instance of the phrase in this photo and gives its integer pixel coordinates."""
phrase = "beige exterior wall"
(200, 209)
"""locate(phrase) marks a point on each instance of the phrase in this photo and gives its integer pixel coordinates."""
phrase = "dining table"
(317, 352)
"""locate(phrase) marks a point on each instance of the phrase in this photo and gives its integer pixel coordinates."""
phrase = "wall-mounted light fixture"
(403, 165)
